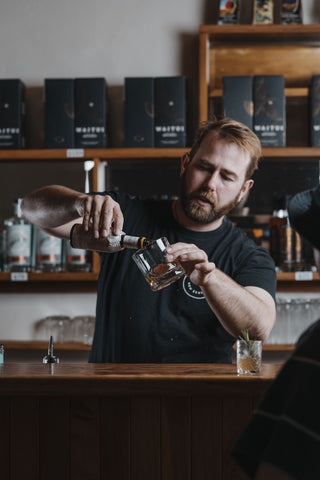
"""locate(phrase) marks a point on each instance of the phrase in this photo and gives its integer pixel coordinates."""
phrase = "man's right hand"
(102, 214)
(56, 208)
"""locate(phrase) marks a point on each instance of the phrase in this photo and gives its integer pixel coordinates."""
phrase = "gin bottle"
(49, 252)
(18, 241)
(77, 259)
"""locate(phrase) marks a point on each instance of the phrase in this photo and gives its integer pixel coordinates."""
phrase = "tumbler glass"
(83, 328)
(249, 356)
(152, 263)
(56, 325)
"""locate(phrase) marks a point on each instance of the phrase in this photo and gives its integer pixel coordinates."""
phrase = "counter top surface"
(128, 379)
(122, 371)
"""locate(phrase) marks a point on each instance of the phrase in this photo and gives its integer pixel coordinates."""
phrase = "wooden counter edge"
(105, 380)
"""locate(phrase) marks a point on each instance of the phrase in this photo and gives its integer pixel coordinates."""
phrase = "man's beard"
(203, 214)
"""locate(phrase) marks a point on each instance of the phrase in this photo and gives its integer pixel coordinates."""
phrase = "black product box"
(139, 112)
(237, 98)
(59, 112)
(269, 121)
(90, 113)
(12, 114)
(314, 102)
(170, 111)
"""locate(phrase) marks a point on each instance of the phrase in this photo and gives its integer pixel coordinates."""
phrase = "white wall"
(109, 38)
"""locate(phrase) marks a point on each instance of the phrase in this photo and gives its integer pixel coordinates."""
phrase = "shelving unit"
(290, 50)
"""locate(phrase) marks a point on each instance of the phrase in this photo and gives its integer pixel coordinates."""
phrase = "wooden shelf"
(91, 276)
(126, 154)
(291, 153)
(262, 32)
(278, 347)
(50, 283)
(99, 153)
(39, 345)
(289, 92)
(294, 276)
(87, 282)
(52, 277)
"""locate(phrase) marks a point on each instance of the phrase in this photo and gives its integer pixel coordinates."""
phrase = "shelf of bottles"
(30, 254)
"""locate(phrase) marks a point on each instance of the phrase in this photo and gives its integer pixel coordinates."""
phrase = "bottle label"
(76, 255)
(19, 244)
(49, 248)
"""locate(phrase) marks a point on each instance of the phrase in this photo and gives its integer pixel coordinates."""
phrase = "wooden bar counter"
(124, 421)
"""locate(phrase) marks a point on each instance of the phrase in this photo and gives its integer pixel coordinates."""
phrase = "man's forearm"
(238, 308)
(235, 306)
(52, 206)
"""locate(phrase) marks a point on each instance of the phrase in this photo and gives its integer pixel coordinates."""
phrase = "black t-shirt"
(173, 325)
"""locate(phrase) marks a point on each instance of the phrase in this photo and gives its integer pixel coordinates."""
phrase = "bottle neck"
(130, 241)
(17, 208)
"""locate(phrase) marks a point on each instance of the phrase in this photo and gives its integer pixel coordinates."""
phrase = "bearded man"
(229, 283)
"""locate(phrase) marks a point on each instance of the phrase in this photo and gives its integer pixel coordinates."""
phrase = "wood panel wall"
(144, 437)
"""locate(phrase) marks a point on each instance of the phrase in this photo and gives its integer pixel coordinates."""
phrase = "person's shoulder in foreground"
(282, 440)
(284, 433)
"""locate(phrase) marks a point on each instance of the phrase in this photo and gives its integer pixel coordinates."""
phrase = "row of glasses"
(294, 315)
(66, 329)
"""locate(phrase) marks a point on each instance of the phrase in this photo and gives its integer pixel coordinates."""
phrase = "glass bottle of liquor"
(49, 252)
(77, 259)
(79, 238)
(286, 244)
(286, 234)
(17, 241)
(278, 219)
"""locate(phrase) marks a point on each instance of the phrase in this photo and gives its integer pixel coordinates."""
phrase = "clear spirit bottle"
(77, 259)
(49, 252)
(17, 241)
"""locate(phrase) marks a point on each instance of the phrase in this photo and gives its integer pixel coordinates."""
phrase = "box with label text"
(170, 111)
(59, 112)
(237, 98)
(269, 122)
(139, 112)
(90, 112)
(12, 114)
